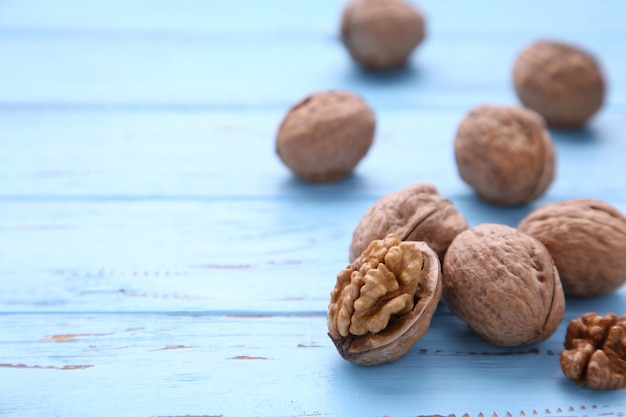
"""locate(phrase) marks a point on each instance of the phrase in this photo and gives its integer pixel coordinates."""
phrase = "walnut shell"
(587, 240)
(505, 153)
(324, 136)
(417, 212)
(383, 303)
(595, 351)
(381, 34)
(503, 284)
(561, 82)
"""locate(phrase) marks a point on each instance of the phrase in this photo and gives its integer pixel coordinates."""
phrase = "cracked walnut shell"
(417, 212)
(383, 303)
(323, 137)
(561, 82)
(587, 241)
(504, 285)
(381, 34)
(505, 154)
(595, 351)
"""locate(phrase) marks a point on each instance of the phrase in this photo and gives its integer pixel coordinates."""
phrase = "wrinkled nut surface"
(595, 351)
(587, 241)
(561, 82)
(324, 136)
(383, 303)
(503, 284)
(505, 153)
(381, 34)
(415, 213)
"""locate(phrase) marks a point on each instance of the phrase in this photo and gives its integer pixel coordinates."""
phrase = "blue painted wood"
(180, 365)
(156, 259)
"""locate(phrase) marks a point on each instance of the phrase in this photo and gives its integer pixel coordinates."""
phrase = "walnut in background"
(324, 136)
(561, 82)
(505, 153)
(381, 34)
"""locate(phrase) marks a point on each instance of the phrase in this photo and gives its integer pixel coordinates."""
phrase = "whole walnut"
(417, 212)
(587, 240)
(503, 284)
(505, 153)
(561, 82)
(381, 34)
(324, 136)
(383, 303)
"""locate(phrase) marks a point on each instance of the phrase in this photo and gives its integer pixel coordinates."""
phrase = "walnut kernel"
(503, 284)
(587, 240)
(505, 153)
(595, 351)
(381, 34)
(324, 136)
(417, 212)
(383, 303)
(561, 82)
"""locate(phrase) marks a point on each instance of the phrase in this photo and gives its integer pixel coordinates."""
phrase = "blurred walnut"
(417, 212)
(383, 303)
(505, 153)
(503, 284)
(587, 240)
(381, 34)
(561, 82)
(595, 351)
(324, 136)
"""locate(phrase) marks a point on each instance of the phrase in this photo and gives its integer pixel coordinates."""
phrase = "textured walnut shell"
(505, 153)
(381, 34)
(504, 285)
(324, 136)
(595, 351)
(383, 303)
(417, 212)
(559, 81)
(587, 240)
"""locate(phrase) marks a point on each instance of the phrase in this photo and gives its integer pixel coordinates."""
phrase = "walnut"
(417, 212)
(595, 351)
(324, 136)
(505, 153)
(381, 34)
(587, 240)
(503, 284)
(561, 82)
(383, 303)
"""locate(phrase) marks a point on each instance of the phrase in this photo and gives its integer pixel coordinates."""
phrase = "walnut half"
(595, 351)
(382, 304)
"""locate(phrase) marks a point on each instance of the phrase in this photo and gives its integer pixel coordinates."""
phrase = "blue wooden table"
(157, 259)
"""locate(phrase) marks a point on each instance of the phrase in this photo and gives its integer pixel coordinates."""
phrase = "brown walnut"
(324, 136)
(561, 82)
(383, 303)
(417, 212)
(595, 351)
(381, 34)
(587, 240)
(503, 284)
(505, 153)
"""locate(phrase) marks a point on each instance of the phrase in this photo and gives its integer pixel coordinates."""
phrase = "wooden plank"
(86, 72)
(218, 256)
(199, 54)
(210, 155)
(305, 16)
(192, 365)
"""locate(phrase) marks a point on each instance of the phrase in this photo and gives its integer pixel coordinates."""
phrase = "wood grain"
(156, 258)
